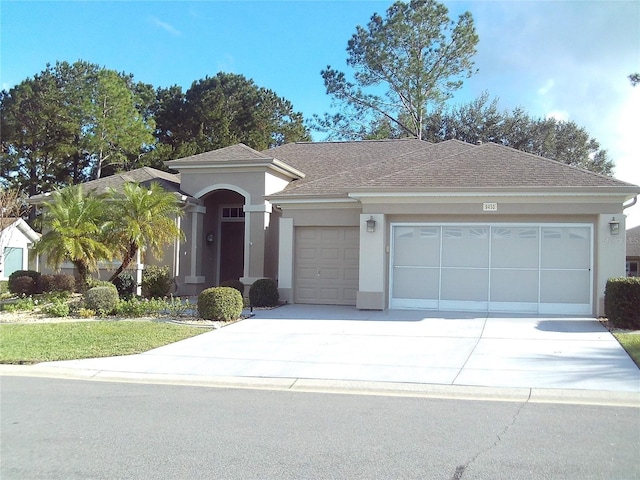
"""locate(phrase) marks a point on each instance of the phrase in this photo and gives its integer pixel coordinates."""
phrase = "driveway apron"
(342, 343)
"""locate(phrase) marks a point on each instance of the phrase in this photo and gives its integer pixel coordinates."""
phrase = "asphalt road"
(75, 429)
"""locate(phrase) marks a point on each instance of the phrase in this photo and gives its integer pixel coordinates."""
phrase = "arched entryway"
(223, 255)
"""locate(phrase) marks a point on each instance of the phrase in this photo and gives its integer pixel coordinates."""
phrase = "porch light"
(371, 225)
(210, 238)
(614, 226)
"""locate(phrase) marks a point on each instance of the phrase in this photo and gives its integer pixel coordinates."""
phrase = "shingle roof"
(143, 176)
(633, 242)
(232, 153)
(7, 221)
(336, 168)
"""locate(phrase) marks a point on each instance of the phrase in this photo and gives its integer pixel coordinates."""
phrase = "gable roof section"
(334, 167)
(233, 153)
(358, 168)
(493, 166)
(238, 155)
(143, 176)
(21, 226)
(410, 165)
(633, 242)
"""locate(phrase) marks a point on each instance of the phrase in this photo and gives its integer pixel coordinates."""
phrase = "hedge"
(622, 302)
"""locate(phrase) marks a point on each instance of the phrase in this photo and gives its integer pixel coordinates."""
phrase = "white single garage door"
(533, 268)
(326, 265)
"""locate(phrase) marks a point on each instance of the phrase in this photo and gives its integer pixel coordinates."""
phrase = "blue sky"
(567, 59)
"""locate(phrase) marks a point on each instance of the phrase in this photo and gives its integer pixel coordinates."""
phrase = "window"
(232, 213)
(632, 269)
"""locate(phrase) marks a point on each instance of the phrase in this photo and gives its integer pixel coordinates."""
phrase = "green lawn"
(631, 343)
(44, 342)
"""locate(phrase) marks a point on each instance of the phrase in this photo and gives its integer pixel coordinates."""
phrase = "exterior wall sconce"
(210, 238)
(371, 225)
(614, 226)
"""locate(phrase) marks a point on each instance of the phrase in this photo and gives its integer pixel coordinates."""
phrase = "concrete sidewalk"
(342, 344)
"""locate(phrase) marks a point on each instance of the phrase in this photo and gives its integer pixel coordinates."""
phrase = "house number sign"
(490, 207)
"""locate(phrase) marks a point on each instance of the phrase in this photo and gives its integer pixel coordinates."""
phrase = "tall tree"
(142, 219)
(113, 126)
(73, 224)
(416, 53)
(36, 133)
(219, 111)
(482, 121)
(64, 124)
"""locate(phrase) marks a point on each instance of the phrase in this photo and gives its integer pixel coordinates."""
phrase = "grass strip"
(631, 343)
(46, 342)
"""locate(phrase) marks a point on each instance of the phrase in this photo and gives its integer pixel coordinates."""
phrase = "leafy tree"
(482, 121)
(65, 124)
(634, 78)
(417, 53)
(223, 110)
(73, 225)
(37, 131)
(143, 219)
(113, 127)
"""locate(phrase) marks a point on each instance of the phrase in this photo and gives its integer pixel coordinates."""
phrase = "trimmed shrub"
(156, 281)
(622, 302)
(46, 283)
(103, 300)
(35, 276)
(125, 284)
(237, 284)
(264, 293)
(4, 286)
(23, 286)
(57, 283)
(220, 303)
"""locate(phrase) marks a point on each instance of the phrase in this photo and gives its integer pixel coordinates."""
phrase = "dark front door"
(231, 251)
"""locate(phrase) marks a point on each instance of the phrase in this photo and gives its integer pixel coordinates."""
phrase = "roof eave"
(268, 163)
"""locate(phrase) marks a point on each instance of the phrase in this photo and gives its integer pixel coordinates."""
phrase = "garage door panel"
(416, 246)
(565, 286)
(514, 286)
(465, 285)
(329, 254)
(465, 247)
(513, 247)
(326, 265)
(423, 283)
(565, 247)
(330, 273)
(352, 274)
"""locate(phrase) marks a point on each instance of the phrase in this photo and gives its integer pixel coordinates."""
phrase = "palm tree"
(73, 231)
(143, 220)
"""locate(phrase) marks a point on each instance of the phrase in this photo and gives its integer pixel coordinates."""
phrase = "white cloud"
(167, 27)
(546, 88)
(560, 116)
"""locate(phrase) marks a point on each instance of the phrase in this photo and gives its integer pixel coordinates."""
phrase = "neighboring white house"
(16, 238)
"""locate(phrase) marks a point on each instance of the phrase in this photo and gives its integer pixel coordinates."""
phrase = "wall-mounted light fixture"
(210, 238)
(614, 226)
(371, 225)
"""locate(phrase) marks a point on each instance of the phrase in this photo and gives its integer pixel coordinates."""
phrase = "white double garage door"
(529, 268)
(532, 268)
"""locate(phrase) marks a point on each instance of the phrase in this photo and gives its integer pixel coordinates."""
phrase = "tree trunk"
(126, 261)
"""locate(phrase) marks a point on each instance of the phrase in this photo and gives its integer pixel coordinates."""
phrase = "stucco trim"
(225, 186)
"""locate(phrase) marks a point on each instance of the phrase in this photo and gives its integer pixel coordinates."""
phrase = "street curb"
(352, 387)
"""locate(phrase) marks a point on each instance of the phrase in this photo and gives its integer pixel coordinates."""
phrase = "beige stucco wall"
(610, 254)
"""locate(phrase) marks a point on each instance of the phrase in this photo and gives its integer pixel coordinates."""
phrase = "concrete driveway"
(342, 343)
